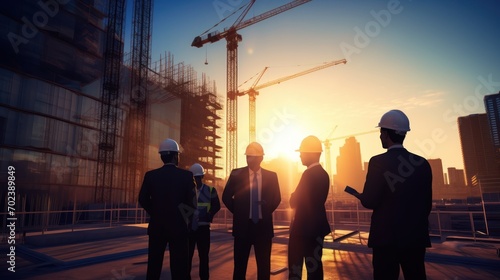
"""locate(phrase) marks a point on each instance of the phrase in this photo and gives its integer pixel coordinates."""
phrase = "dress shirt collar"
(395, 146)
(313, 165)
(251, 172)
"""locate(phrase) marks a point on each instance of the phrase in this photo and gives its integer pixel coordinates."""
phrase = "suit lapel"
(246, 183)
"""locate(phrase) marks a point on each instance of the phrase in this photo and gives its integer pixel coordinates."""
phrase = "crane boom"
(215, 36)
(232, 38)
(271, 13)
(351, 135)
(277, 81)
(253, 92)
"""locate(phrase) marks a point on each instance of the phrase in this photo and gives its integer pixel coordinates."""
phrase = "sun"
(282, 141)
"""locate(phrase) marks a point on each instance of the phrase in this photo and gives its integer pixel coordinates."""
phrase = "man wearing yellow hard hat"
(310, 224)
(252, 194)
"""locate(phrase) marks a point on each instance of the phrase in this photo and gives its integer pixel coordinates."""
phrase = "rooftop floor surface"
(121, 253)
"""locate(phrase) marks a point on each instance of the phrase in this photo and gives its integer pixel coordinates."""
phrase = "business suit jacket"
(168, 196)
(398, 188)
(236, 197)
(308, 200)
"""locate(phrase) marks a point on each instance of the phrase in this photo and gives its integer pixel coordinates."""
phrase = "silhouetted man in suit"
(252, 194)
(398, 188)
(168, 196)
(309, 225)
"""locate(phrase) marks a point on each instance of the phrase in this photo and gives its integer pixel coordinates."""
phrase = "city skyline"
(400, 54)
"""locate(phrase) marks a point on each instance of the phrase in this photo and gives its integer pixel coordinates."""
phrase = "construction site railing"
(442, 223)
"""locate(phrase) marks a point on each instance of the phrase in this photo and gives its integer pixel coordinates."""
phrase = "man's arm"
(191, 195)
(214, 204)
(228, 193)
(373, 189)
(145, 195)
(276, 194)
(428, 189)
(189, 205)
(295, 196)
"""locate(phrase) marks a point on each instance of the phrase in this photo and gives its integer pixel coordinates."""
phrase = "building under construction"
(201, 114)
(80, 121)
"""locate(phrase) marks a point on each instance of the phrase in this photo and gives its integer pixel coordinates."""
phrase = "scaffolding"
(201, 111)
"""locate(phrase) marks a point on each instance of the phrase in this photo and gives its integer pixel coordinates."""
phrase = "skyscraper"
(437, 172)
(349, 166)
(492, 105)
(456, 177)
(477, 147)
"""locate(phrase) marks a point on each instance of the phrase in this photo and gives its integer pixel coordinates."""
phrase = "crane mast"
(136, 157)
(113, 55)
(253, 92)
(233, 38)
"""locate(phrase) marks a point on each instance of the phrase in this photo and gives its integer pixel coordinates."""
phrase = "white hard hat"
(395, 120)
(310, 144)
(197, 169)
(168, 145)
(254, 149)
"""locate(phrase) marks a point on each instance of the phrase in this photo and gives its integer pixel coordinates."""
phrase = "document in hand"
(350, 190)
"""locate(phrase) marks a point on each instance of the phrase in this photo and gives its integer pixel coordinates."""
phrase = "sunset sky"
(435, 60)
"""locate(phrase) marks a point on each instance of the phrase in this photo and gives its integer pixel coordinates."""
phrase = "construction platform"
(121, 253)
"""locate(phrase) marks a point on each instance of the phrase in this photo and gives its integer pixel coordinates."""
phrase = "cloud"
(425, 98)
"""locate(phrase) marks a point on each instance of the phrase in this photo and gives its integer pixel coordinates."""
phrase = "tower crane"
(232, 38)
(327, 152)
(253, 91)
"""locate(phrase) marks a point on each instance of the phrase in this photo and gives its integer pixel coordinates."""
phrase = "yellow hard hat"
(310, 144)
(254, 149)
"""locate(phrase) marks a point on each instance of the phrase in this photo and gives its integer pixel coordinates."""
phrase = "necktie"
(255, 199)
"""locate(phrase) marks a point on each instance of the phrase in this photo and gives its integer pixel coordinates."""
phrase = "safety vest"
(204, 204)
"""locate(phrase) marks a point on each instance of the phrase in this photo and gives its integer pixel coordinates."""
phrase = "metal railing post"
(472, 226)
(111, 214)
(74, 215)
(136, 211)
(357, 213)
(439, 225)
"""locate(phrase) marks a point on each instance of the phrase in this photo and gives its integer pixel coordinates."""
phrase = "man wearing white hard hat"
(309, 224)
(168, 196)
(398, 188)
(208, 206)
(252, 194)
